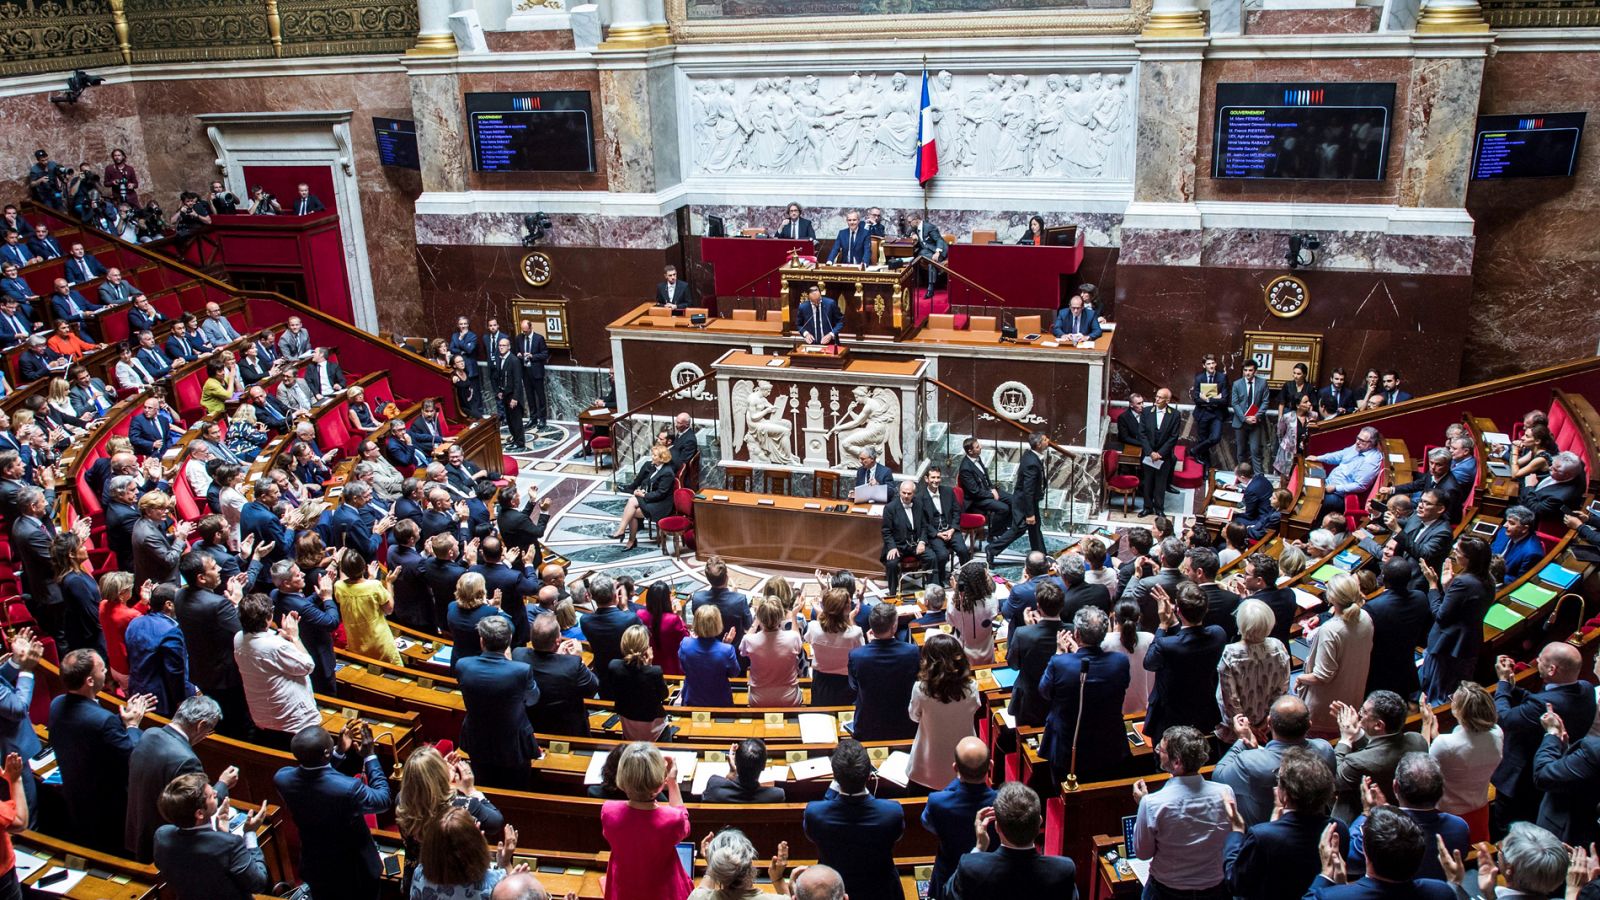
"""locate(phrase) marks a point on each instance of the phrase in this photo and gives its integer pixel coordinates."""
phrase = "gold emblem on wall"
(1287, 296)
(536, 269)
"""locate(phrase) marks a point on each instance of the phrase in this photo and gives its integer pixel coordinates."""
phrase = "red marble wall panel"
(1537, 264)
(1237, 70)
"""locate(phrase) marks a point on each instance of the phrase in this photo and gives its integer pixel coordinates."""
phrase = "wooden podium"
(875, 304)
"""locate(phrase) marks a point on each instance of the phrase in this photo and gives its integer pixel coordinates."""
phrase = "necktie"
(73, 306)
(16, 325)
(850, 252)
(1249, 395)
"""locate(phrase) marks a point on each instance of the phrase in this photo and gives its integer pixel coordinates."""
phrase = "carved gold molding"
(920, 26)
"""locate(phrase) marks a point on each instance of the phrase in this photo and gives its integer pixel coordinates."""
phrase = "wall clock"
(536, 269)
(1287, 296)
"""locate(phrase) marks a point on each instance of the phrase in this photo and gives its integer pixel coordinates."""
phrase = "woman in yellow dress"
(364, 603)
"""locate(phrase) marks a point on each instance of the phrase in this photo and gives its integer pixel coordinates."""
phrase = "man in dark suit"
(749, 759)
(354, 527)
(427, 429)
(905, 531)
(500, 694)
(413, 601)
(854, 831)
(685, 446)
(1336, 396)
(32, 534)
(853, 246)
(1395, 847)
(152, 431)
(978, 490)
(1430, 540)
(257, 518)
(505, 373)
(940, 516)
(1567, 771)
(513, 577)
(200, 858)
(1200, 567)
(329, 807)
(870, 471)
(1257, 491)
(1184, 658)
(70, 306)
(603, 628)
(81, 267)
(1279, 857)
(305, 202)
(533, 352)
(92, 746)
(42, 245)
(161, 755)
(1400, 622)
(1027, 500)
(882, 673)
(209, 621)
(1391, 389)
(37, 360)
(818, 321)
(1076, 323)
(1016, 869)
(14, 325)
(1518, 710)
(563, 680)
(1080, 592)
(1036, 572)
(796, 227)
(733, 606)
(1084, 731)
(1436, 477)
(319, 618)
(522, 527)
(931, 246)
(950, 813)
(440, 570)
(1130, 422)
(1159, 429)
(1558, 493)
(1209, 394)
(1143, 589)
(1030, 651)
(144, 317)
(671, 291)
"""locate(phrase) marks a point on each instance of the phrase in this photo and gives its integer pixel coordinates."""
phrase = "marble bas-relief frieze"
(1069, 126)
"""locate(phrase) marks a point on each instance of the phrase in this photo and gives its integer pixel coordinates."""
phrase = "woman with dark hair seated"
(1035, 233)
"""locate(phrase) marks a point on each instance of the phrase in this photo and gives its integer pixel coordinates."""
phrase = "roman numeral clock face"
(536, 269)
(1287, 296)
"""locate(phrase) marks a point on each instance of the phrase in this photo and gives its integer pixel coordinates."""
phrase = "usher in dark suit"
(903, 528)
(1162, 439)
(675, 294)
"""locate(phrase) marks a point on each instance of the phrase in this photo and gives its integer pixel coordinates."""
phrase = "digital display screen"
(397, 143)
(548, 131)
(1311, 130)
(1538, 146)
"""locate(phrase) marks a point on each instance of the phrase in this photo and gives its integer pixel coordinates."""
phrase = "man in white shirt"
(1183, 828)
(194, 469)
(276, 670)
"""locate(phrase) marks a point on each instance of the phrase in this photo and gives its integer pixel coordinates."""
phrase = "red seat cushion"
(673, 524)
(1123, 482)
(972, 520)
(508, 467)
(600, 443)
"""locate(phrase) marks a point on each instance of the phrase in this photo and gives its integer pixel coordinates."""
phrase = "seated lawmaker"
(82, 267)
(795, 226)
(1354, 470)
(872, 471)
(71, 306)
(749, 758)
(819, 320)
(144, 316)
(1437, 477)
(1517, 542)
(1075, 323)
(854, 244)
(671, 291)
(1035, 233)
(1560, 492)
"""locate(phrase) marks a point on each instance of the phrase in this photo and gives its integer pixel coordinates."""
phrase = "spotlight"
(537, 224)
(1302, 250)
(76, 85)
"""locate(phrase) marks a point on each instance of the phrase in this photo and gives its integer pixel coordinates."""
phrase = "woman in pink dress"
(666, 627)
(643, 833)
(774, 655)
(117, 609)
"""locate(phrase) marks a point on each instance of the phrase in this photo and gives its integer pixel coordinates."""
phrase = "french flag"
(927, 146)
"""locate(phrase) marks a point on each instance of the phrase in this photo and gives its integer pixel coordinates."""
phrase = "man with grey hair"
(498, 692)
(1171, 553)
(933, 600)
(1084, 686)
(1558, 493)
(1463, 461)
(1517, 543)
(353, 524)
(603, 628)
(162, 755)
(818, 882)
(1352, 470)
(386, 480)
(871, 472)
(122, 511)
(1532, 860)
(1080, 593)
(523, 886)
(1437, 476)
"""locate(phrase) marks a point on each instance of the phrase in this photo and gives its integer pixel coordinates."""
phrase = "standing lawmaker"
(819, 320)
(853, 246)
(1027, 499)
(505, 372)
(1158, 436)
(533, 351)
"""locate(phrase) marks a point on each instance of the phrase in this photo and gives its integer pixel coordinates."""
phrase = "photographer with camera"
(263, 203)
(220, 201)
(83, 180)
(190, 215)
(47, 180)
(148, 222)
(121, 181)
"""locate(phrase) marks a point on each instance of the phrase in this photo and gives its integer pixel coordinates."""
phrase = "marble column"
(1441, 113)
(638, 105)
(1169, 117)
(433, 34)
(441, 140)
(1452, 17)
(637, 23)
(1175, 19)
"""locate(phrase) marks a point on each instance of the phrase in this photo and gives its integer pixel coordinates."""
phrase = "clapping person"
(433, 785)
(92, 747)
(329, 806)
(197, 852)
(1468, 756)
(638, 687)
(1341, 652)
(644, 833)
(708, 661)
(944, 701)
(774, 652)
(730, 868)
(454, 860)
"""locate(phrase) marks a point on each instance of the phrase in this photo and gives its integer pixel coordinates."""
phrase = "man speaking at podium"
(854, 244)
(820, 320)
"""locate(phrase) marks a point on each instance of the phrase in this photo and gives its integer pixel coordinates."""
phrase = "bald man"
(684, 443)
(1519, 710)
(950, 812)
(817, 882)
(523, 886)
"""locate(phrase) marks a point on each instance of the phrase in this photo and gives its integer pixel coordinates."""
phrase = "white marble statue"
(759, 423)
(871, 421)
(1064, 125)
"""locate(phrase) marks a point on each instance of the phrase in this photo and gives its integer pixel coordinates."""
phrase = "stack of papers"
(1560, 576)
(1220, 512)
(703, 773)
(819, 728)
(1224, 496)
(1533, 595)
(897, 768)
(1502, 617)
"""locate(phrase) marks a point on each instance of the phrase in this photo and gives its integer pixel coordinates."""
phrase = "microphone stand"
(1077, 726)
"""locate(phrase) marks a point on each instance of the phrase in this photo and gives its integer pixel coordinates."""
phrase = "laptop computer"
(872, 493)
